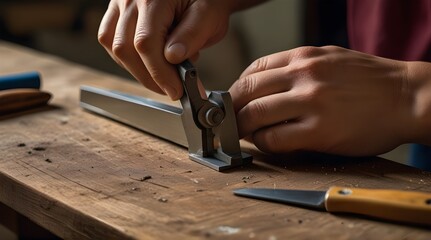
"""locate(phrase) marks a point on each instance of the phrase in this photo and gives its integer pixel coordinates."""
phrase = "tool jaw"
(209, 124)
(206, 125)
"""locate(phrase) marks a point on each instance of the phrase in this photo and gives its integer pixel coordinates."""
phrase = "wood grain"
(82, 176)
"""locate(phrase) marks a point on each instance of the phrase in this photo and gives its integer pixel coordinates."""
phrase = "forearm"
(419, 85)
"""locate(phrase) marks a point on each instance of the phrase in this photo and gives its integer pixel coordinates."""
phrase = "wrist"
(418, 78)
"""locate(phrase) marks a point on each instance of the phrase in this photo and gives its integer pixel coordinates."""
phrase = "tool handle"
(21, 80)
(394, 205)
(13, 100)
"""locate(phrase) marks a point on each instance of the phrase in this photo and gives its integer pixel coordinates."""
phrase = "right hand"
(332, 100)
(147, 36)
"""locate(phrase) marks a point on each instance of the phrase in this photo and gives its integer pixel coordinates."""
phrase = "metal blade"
(161, 119)
(304, 198)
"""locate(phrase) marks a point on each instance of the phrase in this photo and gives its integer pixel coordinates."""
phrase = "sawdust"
(144, 178)
(246, 178)
(39, 149)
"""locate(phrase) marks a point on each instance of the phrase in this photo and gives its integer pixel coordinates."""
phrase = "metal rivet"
(345, 191)
(193, 74)
(214, 116)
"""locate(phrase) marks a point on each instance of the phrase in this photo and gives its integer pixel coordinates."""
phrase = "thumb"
(198, 28)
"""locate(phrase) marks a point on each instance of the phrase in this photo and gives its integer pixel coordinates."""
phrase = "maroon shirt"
(397, 29)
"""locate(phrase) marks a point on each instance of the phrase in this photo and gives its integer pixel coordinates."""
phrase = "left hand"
(146, 37)
(327, 99)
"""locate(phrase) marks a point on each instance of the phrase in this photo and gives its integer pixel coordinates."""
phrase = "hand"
(327, 99)
(147, 36)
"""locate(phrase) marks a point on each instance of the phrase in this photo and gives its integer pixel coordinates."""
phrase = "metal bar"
(150, 116)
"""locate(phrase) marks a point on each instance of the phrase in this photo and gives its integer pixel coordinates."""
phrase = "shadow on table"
(320, 163)
(45, 108)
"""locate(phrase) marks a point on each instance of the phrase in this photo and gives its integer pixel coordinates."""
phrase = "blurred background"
(68, 29)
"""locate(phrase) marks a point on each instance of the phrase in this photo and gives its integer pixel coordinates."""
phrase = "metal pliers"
(209, 124)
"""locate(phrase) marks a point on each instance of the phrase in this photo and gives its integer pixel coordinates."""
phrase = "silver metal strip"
(145, 114)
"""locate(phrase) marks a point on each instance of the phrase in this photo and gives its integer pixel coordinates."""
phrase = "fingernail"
(178, 50)
(171, 92)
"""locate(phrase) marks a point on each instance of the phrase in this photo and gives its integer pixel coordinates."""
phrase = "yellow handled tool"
(393, 205)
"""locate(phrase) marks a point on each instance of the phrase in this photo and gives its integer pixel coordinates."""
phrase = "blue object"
(420, 157)
(21, 80)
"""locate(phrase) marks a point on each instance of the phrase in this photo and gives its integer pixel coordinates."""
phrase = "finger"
(283, 138)
(260, 84)
(281, 59)
(202, 90)
(149, 41)
(194, 58)
(267, 111)
(200, 27)
(276, 60)
(107, 28)
(123, 49)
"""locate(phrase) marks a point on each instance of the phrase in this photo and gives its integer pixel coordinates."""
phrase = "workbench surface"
(82, 176)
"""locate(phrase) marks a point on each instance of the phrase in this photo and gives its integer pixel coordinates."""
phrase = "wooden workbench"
(82, 176)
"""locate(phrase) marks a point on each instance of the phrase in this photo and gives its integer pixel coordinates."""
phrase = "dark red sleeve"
(397, 29)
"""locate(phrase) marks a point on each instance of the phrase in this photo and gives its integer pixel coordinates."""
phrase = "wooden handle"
(394, 205)
(19, 99)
